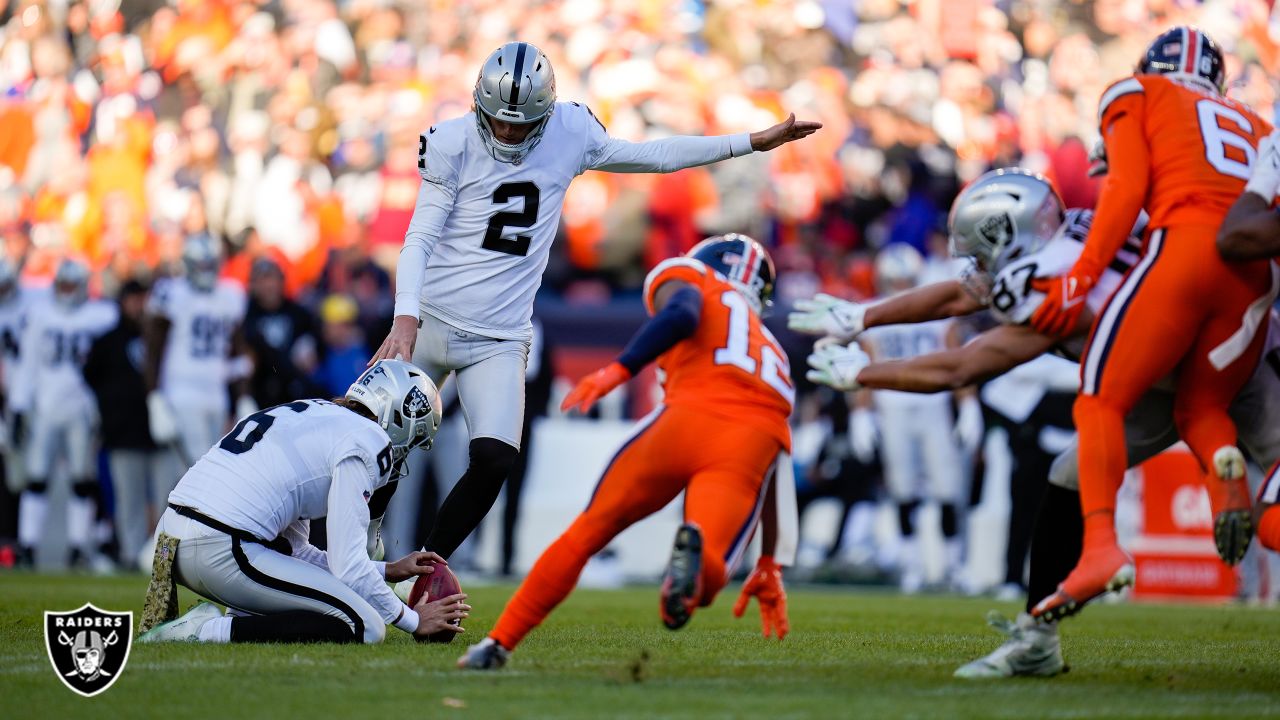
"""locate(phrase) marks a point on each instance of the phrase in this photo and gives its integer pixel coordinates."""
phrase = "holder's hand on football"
(837, 366)
(765, 585)
(415, 563)
(1064, 301)
(595, 386)
(440, 615)
(400, 341)
(825, 314)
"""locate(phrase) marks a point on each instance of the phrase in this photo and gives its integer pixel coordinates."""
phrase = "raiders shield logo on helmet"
(996, 229)
(416, 404)
(88, 646)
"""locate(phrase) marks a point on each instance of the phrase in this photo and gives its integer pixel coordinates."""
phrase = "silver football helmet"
(516, 85)
(202, 259)
(1003, 215)
(405, 403)
(71, 283)
(898, 267)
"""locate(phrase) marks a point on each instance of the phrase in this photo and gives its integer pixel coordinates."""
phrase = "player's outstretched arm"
(845, 320)
(677, 312)
(986, 356)
(1251, 230)
(685, 151)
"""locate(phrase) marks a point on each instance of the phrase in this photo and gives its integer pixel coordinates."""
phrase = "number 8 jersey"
(731, 365)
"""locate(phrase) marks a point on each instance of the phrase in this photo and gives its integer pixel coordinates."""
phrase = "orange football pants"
(721, 465)
(1181, 310)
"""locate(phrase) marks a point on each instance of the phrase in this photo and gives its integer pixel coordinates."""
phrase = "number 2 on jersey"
(506, 192)
(774, 369)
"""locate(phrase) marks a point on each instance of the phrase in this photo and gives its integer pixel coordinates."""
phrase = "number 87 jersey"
(731, 366)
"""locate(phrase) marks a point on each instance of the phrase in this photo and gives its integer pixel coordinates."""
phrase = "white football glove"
(863, 435)
(245, 406)
(837, 366)
(164, 426)
(827, 315)
(969, 427)
(1265, 180)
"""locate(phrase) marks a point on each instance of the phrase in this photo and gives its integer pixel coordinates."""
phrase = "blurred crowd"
(288, 131)
(288, 128)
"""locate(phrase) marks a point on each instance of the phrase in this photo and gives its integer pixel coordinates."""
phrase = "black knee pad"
(37, 486)
(491, 458)
(84, 488)
(292, 626)
(950, 521)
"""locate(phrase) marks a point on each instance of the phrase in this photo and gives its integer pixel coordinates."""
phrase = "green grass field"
(604, 654)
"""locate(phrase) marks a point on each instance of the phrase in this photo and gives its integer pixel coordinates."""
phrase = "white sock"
(217, 630)
(32, 508)
(79, 521)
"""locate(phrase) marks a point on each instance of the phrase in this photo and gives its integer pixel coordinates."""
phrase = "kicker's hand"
(400, 341)
(595, 386)
(825, 314)
(1064, 302)
(783, 133)
(837, 366)
(765, 585)
(416, 563)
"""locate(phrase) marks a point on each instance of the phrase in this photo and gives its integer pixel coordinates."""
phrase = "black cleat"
(682, 583)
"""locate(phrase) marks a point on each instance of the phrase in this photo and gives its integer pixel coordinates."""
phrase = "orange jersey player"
(1177, 147)
(719, 435)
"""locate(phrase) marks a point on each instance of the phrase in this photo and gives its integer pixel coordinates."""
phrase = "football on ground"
(435, 585)
(606, 654)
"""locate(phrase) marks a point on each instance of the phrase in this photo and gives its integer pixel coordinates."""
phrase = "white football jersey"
(903, 342)
(54, 345)
(275, 466)
(482, 230)
(196, 355)
(1013, 300)
(13, 321)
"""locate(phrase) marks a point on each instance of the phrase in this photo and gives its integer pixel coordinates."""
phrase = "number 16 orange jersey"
(731, 366)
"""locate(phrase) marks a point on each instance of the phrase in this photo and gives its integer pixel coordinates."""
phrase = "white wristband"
(408, 620)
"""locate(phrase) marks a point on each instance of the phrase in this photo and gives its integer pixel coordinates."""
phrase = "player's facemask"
(502, 152)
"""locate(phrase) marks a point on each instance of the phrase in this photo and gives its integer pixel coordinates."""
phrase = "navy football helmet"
(1186, 53)
(743, 262)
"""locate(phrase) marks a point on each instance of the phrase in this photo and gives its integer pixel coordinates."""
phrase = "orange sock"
(548, 583)
(1102, 459)
(1269, 528)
